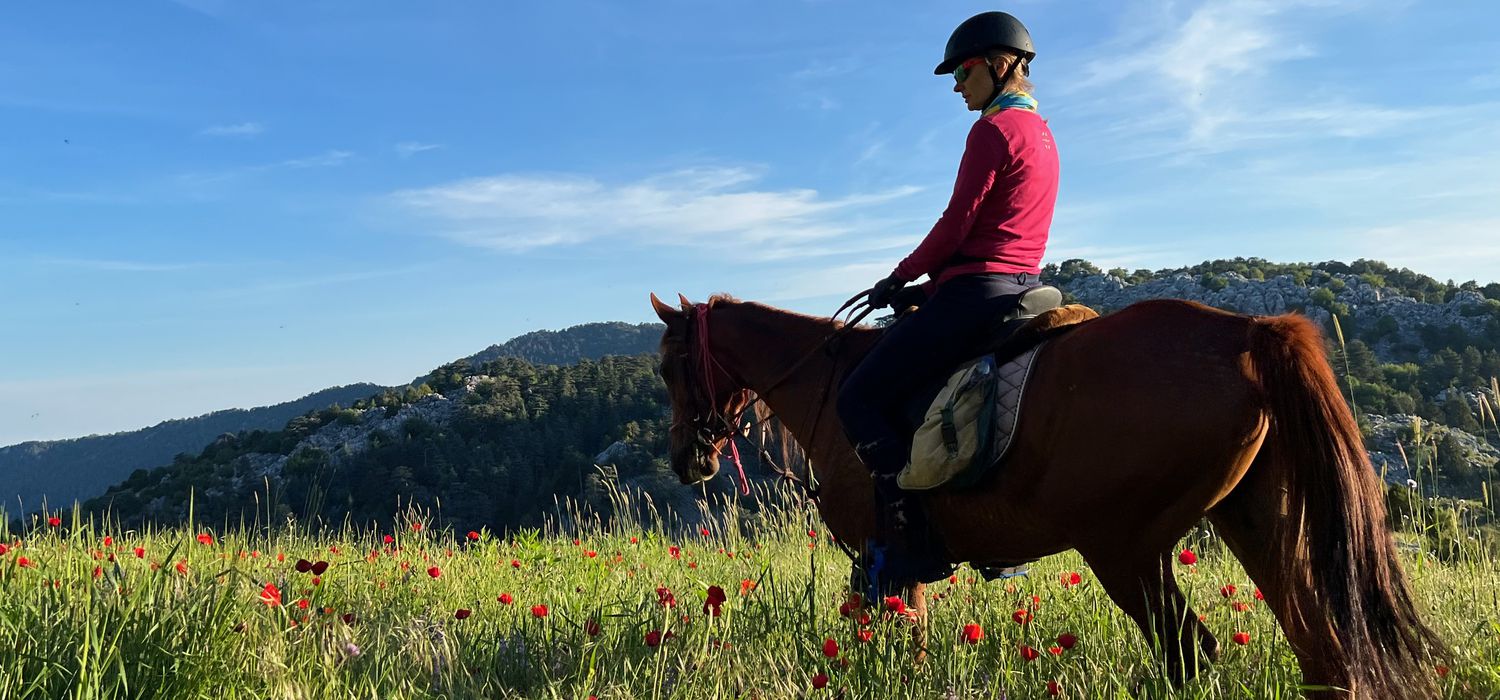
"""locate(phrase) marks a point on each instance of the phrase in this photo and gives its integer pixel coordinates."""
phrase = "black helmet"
(982, 32)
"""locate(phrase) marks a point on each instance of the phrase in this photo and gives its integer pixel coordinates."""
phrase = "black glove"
(884, 290)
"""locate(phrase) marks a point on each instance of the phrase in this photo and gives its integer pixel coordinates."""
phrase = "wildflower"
(434, 571)
(664, 597)
(350, 649)
(703, 531)
(1071, 579)
(1055, 650)
(462, 613)
(1241, 638)
(674, 551)
(54, 521)
(181, 567)
(820, 681)
(1054, 688)
(270, 595)
(348, 618)
(1240, 606)
(1022, 616)
(1442, 671)
(387, 539)
(538, 611)
(98, 571)
(865, 635)
(1187, 558)
(591, 628)
(473, 536)
(813, 534)
(1259, 595)
(591, 554)
(140, 552)
(973, 633)
(715, 599)
(302, 603)
(416, 527)
(653, 638)
(830, 648)
(633, 540)
(1066, 640)
(747, 585)
(952, 579)
(205, 538)
(515, 563)
(895, 604)
(1028, 653)
(505, 599)
(1228, 590)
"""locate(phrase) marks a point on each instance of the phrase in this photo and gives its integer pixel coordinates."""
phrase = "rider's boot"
(906, 549)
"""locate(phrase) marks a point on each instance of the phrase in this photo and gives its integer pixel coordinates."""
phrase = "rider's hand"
(884, 290)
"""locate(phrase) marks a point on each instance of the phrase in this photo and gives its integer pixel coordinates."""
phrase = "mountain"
(61, 471)
(65, 470)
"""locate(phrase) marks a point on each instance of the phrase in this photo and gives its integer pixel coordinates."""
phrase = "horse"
(1136, 426)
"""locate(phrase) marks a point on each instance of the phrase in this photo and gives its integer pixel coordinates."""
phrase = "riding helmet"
(982, 32)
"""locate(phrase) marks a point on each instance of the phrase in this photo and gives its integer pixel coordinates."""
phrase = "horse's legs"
(1145, 589)
(1246, 519)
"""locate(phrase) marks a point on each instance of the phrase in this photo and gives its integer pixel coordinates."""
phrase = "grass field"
(620, 613)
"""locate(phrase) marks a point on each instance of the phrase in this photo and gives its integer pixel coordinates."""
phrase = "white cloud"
(407, 149)
(327, 159)
(241, 129)
(701, 207)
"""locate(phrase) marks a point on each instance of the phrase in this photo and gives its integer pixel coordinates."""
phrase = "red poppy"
(1442, 671)
(665, 598)
(387, 539)
(973, 633)
(181, 567)
(1259, 595)
(653, 638)
(1028, 653)
(1066, 640)
(1241, 638)
(505, 599)
(140, 552)
(1022, 616)
(820, 681)
(1187, 558)
(895, 604)
(205, 538)
(1228, 590)
(462, 613)
(416, 527)
(746, 586)
(302, 603)
(3, 549)
(515, 563)
(703, 531)
(54, 521)
(434, 571)
(1240, 606)
(109, 541)
(865, 635)
(348, 618)
(1054, 688)
(98, 571)
(674, 551)
(715, 599)
(830, 648)
(1071, 579)
(591, 628)
(317, 580)
(473, 536)
(633, 540)
(538, 611)
(270, 595)
(1055, 650)
(591, 554)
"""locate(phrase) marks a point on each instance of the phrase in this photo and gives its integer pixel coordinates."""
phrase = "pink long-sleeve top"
(1001, 210)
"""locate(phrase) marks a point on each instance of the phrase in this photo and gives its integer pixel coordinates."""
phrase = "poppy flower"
(674, 551)
(665, 598)
(820, 681)
(317, 581)
(387, 539)
(591, 628)
(302, 603)
(591, 554)
(1022, 616)
(1240, 606)
(140, 552)
(715, 599)
(1028, 653)
(746, 586)
(505, 599)
(3, 549)
(865, 635)
(1054, 688)
(270, 595)
(462, 613)
(538, 611)
(1055, 650)
(973, 633)
(1442, 671)
(181, 567)
(416, 527)
(1228, 590)
(634, 540)
(54, 521)
(895, 604)
(1259, 595)
(653, 638)
(205, 538)
(98, 571)
(1070, 579)
(1066, 640)
(348, 618)
(473, 536)
(434, 571)
(1187, 558)
(515, 563)
(830, 648)
(109, 541)
(1241, 638)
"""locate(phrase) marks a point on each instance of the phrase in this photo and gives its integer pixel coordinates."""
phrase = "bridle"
(719, 425)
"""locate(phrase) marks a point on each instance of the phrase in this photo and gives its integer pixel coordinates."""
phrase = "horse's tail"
(1334, 534)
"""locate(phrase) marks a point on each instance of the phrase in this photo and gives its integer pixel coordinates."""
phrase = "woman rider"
(984, 251)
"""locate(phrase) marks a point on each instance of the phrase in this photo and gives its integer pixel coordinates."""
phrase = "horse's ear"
(687, 306)
(666, 313)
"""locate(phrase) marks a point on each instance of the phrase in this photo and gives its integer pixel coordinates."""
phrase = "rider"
(984, 251)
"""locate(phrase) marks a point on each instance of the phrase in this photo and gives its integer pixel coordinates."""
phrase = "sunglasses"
(961, 73)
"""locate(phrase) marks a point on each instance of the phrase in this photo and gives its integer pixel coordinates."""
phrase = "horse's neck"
(781, 356)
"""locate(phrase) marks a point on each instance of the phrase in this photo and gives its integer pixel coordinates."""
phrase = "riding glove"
(884, 290)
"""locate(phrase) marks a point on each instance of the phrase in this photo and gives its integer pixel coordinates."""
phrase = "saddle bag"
(957, 434)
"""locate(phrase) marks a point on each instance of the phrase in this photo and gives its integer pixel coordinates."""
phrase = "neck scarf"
(1011, 100)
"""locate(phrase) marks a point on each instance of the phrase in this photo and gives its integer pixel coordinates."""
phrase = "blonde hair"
(1020, 80)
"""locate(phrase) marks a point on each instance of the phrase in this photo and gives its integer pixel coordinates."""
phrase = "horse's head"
(706, 399)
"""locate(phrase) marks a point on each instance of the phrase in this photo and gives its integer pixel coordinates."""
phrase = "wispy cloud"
(709, 206)
(119, 265)
(242, 129)
(326, 159)
(407, 149)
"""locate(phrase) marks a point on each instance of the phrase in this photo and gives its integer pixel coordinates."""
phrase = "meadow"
(754, 606)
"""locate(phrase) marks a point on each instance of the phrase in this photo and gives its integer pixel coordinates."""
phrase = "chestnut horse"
(1135, 426)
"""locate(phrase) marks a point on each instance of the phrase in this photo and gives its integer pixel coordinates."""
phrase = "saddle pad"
(958, 444)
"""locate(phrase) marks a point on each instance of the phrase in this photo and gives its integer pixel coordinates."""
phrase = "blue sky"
(208, 204)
